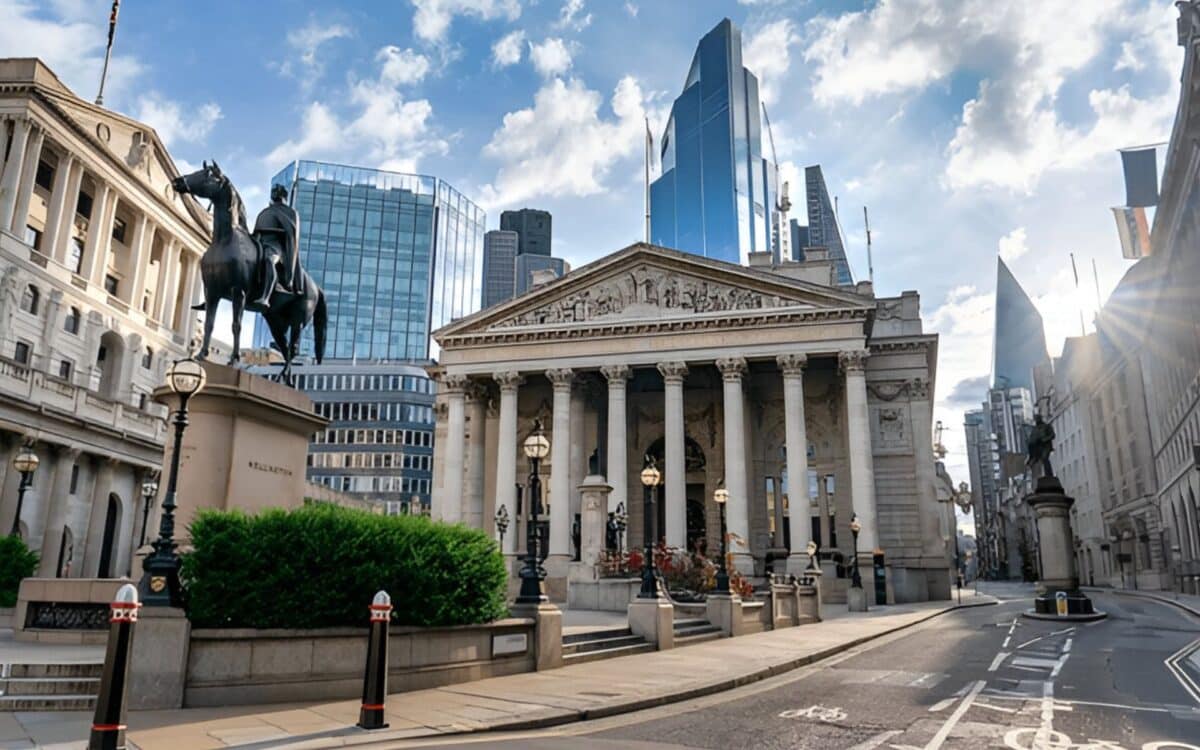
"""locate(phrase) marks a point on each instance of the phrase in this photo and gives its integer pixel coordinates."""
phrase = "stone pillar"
(450, 509)
(673, 455)
(617, 470)
(560, 471)
(593, 514)
(70, 207)
(171, 291)
(95, 248)
(799, 510)
(162, 289)
(56, 510)
(921, 409)
(1058, 595)
(191, 291)
(142, 244)
(55, 210)
(33, 154)
(101, 486)
(10, 180)
(862, 462)
(506, 455)
(738, 509)
(473, 495)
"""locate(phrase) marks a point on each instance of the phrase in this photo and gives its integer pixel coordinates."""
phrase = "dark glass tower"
(716, 194)
(533, 227)
(823, 228)
(1020, 341)
(398, 256)
(499, 265)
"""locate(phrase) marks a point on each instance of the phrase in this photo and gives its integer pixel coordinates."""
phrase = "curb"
(570, 716)
(1146, 595)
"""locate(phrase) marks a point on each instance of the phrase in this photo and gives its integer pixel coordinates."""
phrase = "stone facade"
(728, 376)
(99, 264)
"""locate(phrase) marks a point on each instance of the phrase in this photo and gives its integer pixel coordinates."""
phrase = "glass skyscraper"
(398, 256)
(823, 228)
(1020, 339)
(716, 194)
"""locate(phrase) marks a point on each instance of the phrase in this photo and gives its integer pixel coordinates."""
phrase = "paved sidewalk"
(539, 699)
(1187, 602)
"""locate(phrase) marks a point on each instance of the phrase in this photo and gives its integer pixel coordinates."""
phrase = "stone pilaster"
(673, 455)
(450, 509)
(858, 437)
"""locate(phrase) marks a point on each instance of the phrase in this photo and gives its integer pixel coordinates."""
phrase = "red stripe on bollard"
(108, 727)
(108, 722)
(373, 706)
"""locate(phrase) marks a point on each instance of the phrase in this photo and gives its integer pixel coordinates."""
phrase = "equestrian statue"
(257, 271)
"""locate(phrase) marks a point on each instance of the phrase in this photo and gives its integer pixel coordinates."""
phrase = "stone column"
(560, 471)
(95, 249)
(57, 206)
(799, 511)
(10, 181)
(456, 434)
(191, 287)
(617, 471)
(56, 502)
(473, 496)
(33, 154)
(163, 290)
(143, 242)
(101, 486)
(737, 518)
(921, 410)
(858, 438)
(70, 207)
(506, 455)
(675, 511)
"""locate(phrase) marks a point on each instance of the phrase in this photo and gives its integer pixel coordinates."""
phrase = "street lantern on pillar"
(502, 523)
(149, 490)
(721, 497)
(536, 447)
(25, 462)
(651, 479)
(621, 519)
(159, 586)
(855, 576)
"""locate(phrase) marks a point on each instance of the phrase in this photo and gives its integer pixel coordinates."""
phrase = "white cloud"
(401, 67)
(631, 9)
(173, 123)
(1012, 245)
(432, 18)
(550, 58)
(766, 54)
(307, 41)
(572, 16)
(508, 49)
(563, 145)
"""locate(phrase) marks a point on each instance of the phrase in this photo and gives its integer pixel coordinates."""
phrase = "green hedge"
(16, 562)
(320, 565)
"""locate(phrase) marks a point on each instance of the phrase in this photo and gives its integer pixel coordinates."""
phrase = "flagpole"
(649, 143)
(112, 28)
(1075, 273)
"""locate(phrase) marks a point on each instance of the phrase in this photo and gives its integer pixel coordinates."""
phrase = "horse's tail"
(320, 319)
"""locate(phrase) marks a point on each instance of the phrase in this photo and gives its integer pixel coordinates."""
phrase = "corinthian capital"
(676, 371)
(732, 368)
(508, 380)
(454, 383)
(561, 377)
(616, 374)
(854, 360)
(792, 364)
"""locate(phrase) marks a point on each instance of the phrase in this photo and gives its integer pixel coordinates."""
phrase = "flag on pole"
(1141, 176)
(1134, 231)
(112, 21)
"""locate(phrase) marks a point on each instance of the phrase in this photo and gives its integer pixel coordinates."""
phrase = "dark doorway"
(697, 526)
(110, 537)
(66, 550)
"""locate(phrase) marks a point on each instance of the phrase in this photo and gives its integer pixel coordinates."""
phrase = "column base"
(725, 612)
(654, 620)
(856, 599)
(743, 562)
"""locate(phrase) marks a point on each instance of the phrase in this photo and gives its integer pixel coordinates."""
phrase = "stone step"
(85, 669)
(591, 635)
(47, 703)
(608, 653)
(601, 644)
(697, 637)
(31, 686)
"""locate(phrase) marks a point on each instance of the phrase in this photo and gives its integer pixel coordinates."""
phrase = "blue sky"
(969, 127)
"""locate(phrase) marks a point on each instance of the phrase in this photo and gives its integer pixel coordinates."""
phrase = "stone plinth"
(593, 512)
(245, 446)
(1058, 595)
(654, 620)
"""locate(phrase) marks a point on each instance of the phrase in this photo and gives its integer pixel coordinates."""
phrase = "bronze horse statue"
(233, 268)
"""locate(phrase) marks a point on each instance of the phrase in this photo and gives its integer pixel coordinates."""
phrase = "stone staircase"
(595, 645)
(695, 630)
(49, 687)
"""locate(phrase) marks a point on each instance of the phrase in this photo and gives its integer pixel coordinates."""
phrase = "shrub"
(320, 566)
(16, 562)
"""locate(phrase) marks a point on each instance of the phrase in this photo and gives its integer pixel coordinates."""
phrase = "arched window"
(148, 358)
(71, 323)
(30, 299)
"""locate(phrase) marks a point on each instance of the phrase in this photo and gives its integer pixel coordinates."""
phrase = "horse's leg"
(239, 306)
(211, 300)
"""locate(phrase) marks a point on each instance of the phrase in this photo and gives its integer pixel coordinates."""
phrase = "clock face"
(158, 583)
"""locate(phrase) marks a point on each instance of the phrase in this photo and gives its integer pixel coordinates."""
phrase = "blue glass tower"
(398, 255)
(716, 194)
(1020, 340)
(823, 228)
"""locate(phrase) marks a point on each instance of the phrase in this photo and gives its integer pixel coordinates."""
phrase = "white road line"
(873, 742)
(1028, 661)
(942, 705)
(1043, 734)
(1002, 709)
(1000, 657)
(939, 739)
(1067, 646)
(1184, 679)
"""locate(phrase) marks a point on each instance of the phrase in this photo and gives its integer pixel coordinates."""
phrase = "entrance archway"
(112, 520)
(694, 462)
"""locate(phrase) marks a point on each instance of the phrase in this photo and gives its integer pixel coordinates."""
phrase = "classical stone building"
(99, 263)
(729, 376)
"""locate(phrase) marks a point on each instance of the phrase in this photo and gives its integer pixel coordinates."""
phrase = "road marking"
(1028, 661)
(1000, 657)
(818, 712)
(873, 742)
(1184, 679)
(940, 738)
(1002, 709)
(1047, 727)
(1008, 637)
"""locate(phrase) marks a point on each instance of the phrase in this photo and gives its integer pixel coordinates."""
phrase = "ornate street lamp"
(651, 477)
(621, 519)
(720, 497)
(855, 576)
(159, 586)
(536, 447)
(502, 523)
(25, 462)
(149, 490)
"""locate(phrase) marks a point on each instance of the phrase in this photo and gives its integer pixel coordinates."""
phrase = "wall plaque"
(511, 643)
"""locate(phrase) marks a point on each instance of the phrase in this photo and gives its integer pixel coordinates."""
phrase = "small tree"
(17, 562)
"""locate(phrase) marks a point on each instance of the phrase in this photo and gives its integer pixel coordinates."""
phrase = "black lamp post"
(502, 523)
(720, 497)
(621, 519)
(25, 462)
(855, 576)
(536, 447)
(159, 586)
(650, 481)
(149, 490)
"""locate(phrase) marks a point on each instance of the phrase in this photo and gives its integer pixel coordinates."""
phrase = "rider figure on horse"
(277, 230)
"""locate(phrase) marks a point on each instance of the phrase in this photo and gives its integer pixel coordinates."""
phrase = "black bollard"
(375, 677)
(108, 725)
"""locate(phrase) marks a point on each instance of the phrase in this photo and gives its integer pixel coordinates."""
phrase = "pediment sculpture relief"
(646, 292)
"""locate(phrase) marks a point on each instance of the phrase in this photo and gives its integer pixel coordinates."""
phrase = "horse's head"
(206, 182)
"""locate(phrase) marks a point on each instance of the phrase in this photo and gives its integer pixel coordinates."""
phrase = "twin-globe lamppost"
(536, 447)
(651, 479)
(25, 462)
(855, 576)
(721, 497)
(159, 586)
(149, 490)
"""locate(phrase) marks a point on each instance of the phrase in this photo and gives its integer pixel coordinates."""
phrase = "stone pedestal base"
(547, 648)
(654, 620)
(158, 659)
(856, 599)
(1076, 607)
(1059, 597)
(725, 612)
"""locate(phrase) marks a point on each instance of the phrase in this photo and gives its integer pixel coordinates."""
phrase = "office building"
(532, 226)
(983, 463)
(716, 194)
(99, 266)
(800, 241)
(513, 254)
(1020, 341)
(499, 266)
(531, 267)
(824, 230)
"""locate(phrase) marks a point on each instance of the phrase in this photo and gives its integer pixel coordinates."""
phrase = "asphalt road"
(977, 678)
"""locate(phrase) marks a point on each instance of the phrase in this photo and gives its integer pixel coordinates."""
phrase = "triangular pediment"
(646, 283)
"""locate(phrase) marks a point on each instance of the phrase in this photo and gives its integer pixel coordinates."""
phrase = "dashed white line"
(940, 738)
(1000, 657)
